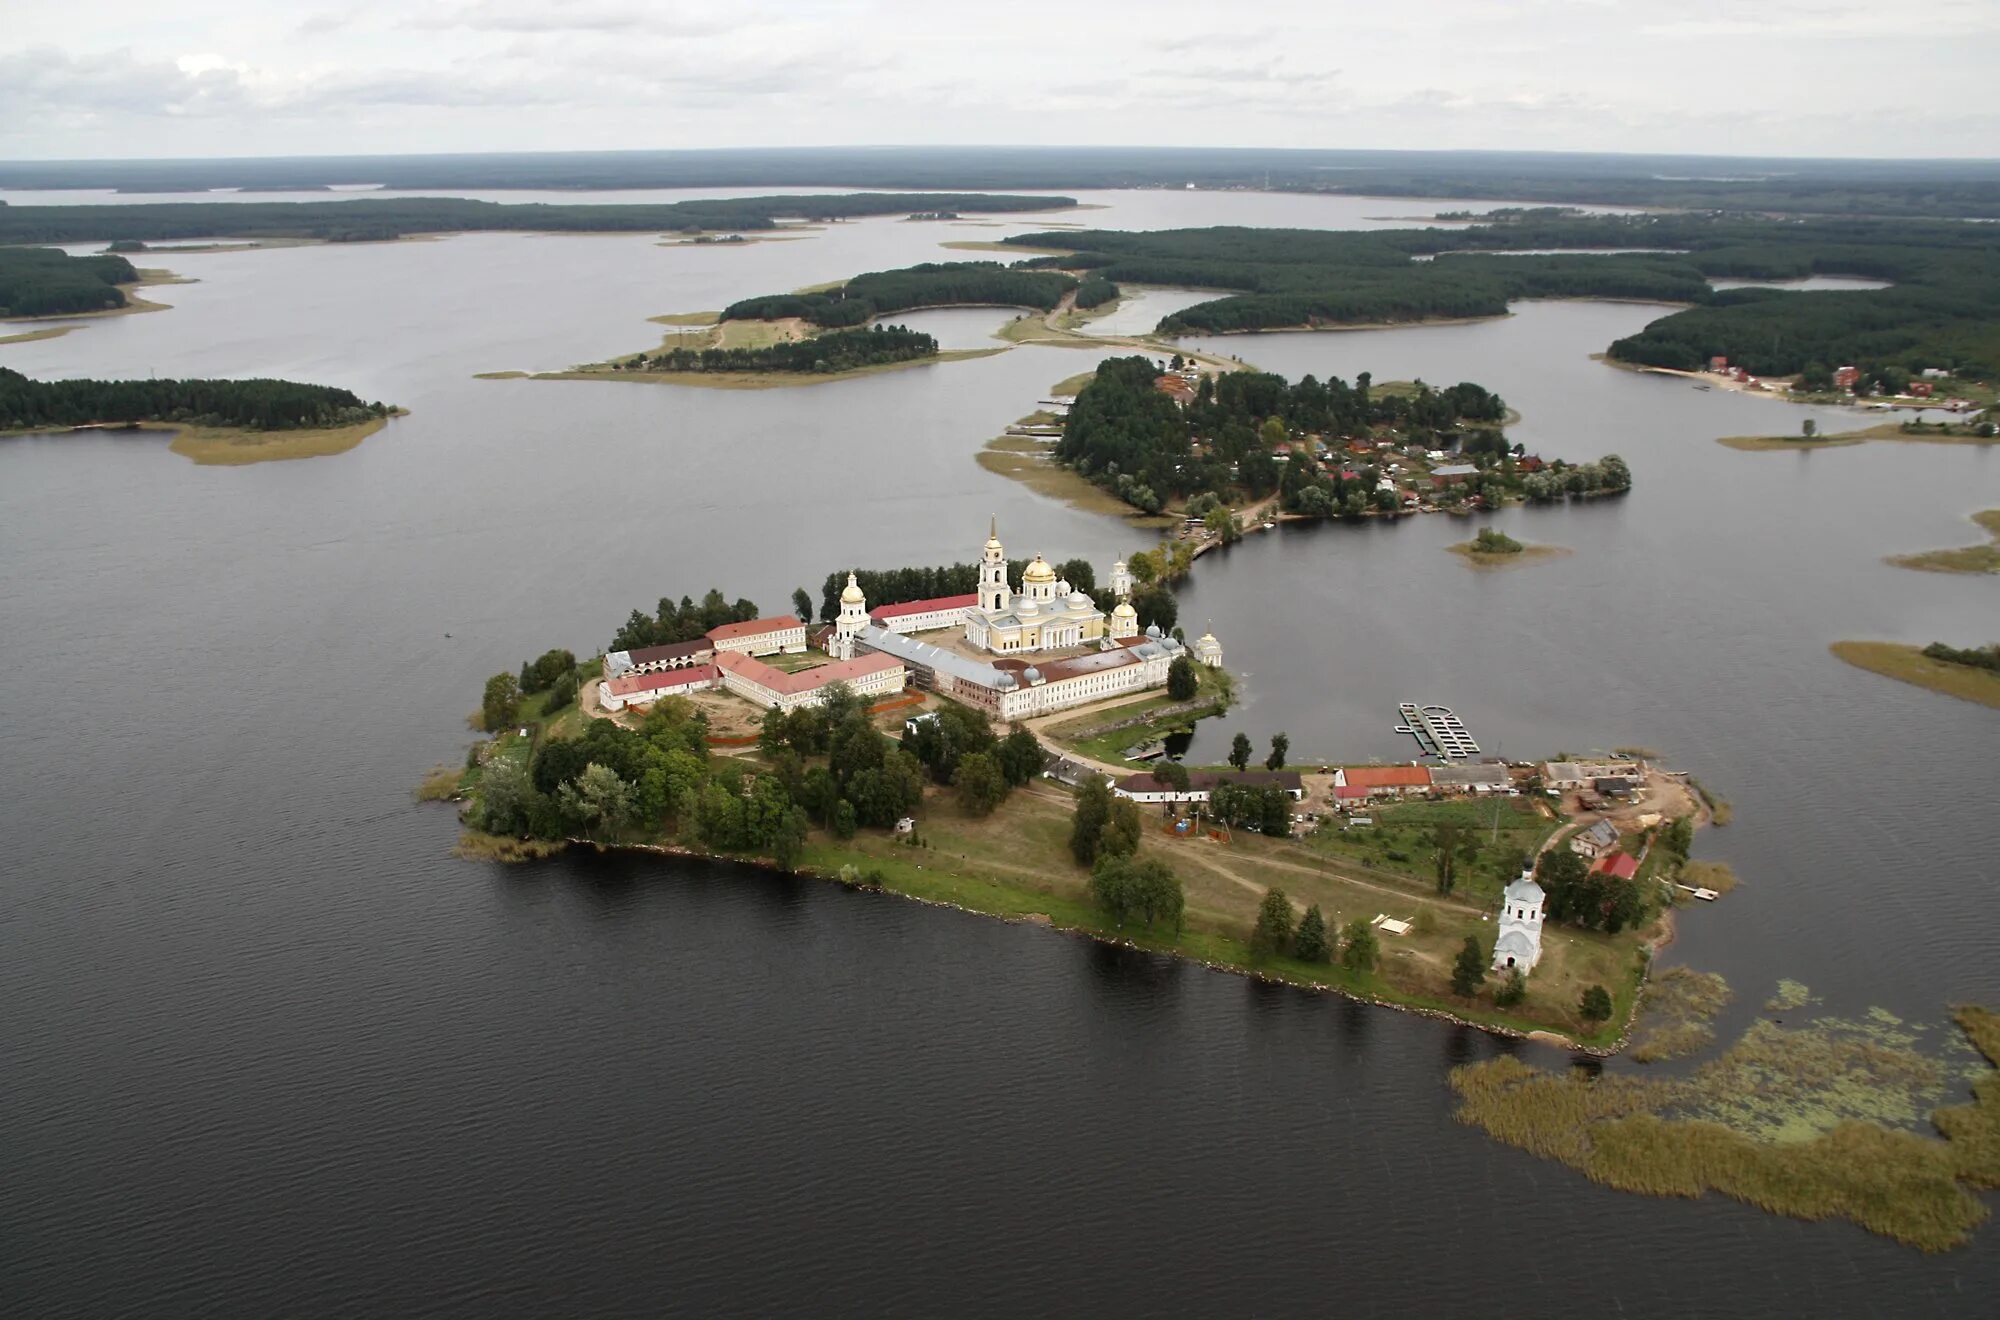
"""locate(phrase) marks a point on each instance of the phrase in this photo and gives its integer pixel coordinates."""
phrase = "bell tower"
(994, 593)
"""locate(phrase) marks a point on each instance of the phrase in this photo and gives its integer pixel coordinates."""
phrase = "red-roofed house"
(917, 616)
(782, 632)
(1617, 865)
(1175, 388)
(646, 688)
(1383, 780)
(866, 675)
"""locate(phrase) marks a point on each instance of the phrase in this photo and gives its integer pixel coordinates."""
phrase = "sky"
(137, 78)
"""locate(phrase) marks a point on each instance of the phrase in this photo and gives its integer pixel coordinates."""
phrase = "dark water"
(270, 1050)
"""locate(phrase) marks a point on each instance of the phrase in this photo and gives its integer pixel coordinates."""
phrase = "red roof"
(1387, 776)
(932, 606)
(629, 685)
(1618, 865)
(1348, 792)
(754, 628)
(805, 680)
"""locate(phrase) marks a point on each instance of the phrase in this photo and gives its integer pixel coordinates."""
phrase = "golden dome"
(1039, 571)
(852, 595)
(1124, 610)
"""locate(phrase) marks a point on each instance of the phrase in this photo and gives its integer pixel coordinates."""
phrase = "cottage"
(1202, 785)
(1595, 841)
(1617, 866)
(1483, 777)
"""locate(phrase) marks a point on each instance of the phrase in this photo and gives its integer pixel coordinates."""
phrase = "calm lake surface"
(272, 1050)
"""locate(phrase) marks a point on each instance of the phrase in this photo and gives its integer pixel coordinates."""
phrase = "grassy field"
(1816, 1122)
(30, 336)
(1070, 386)
(1908, 664)
(1024, 459)
(687, 318)
(1966, 559)
(222, 446)
(1503, 830)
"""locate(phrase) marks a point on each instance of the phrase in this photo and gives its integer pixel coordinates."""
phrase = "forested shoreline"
(1943, 309)
(931, 284)
(257, 405)
(374, 219)
(1247, 435)
(829, 353)
(36, 281)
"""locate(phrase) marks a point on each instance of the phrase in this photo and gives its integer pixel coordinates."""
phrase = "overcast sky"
(276, 77)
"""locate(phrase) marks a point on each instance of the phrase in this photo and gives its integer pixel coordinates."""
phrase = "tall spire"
(992, 527)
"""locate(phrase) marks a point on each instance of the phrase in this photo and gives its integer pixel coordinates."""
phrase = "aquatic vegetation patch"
(1674, 1013)
(1791, 996)
(1812, 1122)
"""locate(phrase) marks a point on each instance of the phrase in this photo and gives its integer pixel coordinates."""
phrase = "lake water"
(272, 1050)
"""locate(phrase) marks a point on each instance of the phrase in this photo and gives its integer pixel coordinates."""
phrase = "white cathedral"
(1519, 944)
(1046, 614)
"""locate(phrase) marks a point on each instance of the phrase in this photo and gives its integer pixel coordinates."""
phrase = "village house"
(1595, 841)
(1846, 378)
(1566, 775)
(1617, 866)
(1482, 777)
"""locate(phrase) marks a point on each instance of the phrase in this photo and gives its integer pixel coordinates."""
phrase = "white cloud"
(236, 76)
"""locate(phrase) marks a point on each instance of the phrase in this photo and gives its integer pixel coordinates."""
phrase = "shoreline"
(1908, 664)
(744, 380)
(1414, 1005)
(224, 446)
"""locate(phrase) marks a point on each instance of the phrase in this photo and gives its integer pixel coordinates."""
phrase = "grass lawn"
(1502, 829)
(1966, 559)
(1109, 746)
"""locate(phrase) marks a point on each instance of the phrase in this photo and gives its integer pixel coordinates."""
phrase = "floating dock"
(1437, 731)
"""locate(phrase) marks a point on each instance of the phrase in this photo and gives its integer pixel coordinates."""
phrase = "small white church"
(1519, 945)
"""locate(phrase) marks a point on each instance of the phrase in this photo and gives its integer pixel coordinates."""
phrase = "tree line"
(262, 405)
(1942, 311)
(834, 351)
(681, 621)
(368, 219)
(1979, 657)
(933, 284)
(51, 282)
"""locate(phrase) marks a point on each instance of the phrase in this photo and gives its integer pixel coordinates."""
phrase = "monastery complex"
(1011, 652)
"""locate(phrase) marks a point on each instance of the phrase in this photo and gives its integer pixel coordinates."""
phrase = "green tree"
(1596, 1004)
(1170, 774)
(1310, 944)
(1281, 744)
(1240, 751)
(501, 703)
(1445, 841)
(507, 801)
(1144, 890)
(1359, 949)
(789, 841)
(1809, 428)
(1468, 970)
(1272, 934)
(1513, 992)
(980, 783)
(802, 604)
(1120, 835)
(596, 801)
(1182, 680)
(1021, 756)
(843, 822)
(1093, 812)
(561, 692)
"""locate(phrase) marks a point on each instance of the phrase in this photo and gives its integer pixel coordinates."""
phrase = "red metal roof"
(805, 680)
(931, 606)
(754, 628)
(1387, 776)
(628, 685)
(1618, 865)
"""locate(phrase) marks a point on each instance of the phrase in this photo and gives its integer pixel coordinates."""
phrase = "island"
(38, 283)
(1496, 549)
(1968, 673)
(214, 422)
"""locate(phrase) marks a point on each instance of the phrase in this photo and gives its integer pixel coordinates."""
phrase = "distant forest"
(1945, 188)
(258, 405)
(837, 350)
(50, 282)
(885, 292)
(371, 219)
(1943, 311)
